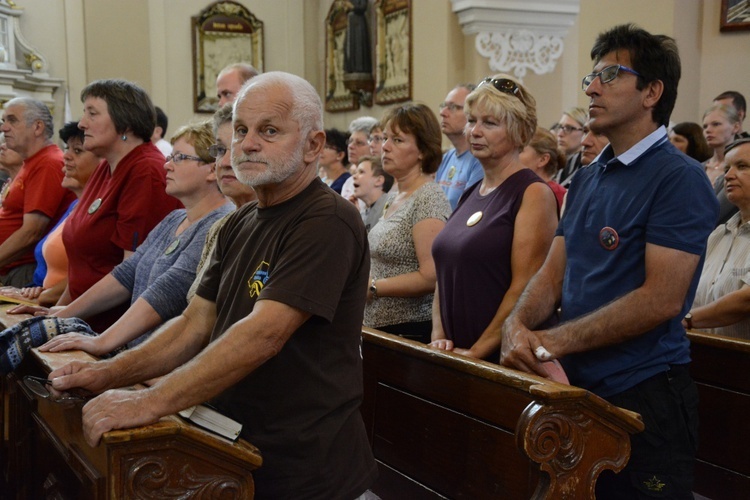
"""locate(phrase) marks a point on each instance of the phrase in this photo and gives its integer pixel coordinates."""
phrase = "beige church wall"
(149, 41)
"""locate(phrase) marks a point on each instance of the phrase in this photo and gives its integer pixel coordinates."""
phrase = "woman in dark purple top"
(501, 230)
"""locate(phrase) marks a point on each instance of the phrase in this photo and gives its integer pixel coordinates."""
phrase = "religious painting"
(338, 97)
(224, 33)
(735, 15)
(393, 51)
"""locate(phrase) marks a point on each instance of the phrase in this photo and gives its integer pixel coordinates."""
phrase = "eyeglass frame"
(500, 85)
(374, 139)
(595, 74)
(29, 382)
(217, 151)
(567, 129)
(452, 107)
(182, 157)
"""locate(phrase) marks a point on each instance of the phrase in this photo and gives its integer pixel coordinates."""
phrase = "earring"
(124, 137)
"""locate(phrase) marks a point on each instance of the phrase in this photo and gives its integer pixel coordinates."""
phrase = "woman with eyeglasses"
(501, 230)
(569, 132)
(154, 281)
(402, 272)
(125, 198)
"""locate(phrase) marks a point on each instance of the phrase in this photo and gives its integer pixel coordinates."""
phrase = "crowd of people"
(574, 252)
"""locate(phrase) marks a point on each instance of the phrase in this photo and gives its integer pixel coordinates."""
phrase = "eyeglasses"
(38, 386)
(375, 139)
(451, 106)
(503, 85)
(179, 158)
(566, 129)
(216, 151)
(607, 75)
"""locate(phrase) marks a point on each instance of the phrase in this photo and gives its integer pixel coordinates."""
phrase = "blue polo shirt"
(457, 173)
(650, 194)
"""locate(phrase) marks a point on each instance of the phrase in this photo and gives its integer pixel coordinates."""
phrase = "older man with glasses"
(459, 169)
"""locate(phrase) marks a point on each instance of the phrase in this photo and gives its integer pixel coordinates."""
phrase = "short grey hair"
(245, 70)
(362, 124)
(34, 110)
(223, 115)
(307, 108)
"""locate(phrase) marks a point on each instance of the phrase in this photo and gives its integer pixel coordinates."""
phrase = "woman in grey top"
(155, 279)
(402, 272)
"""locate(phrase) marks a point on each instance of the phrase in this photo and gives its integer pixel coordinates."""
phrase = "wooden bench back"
(721, 369)
(442, 425)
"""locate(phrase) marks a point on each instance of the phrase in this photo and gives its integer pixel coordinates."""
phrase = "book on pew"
(13, 299)
(206, 417)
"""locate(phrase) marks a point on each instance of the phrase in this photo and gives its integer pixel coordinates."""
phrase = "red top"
(36, 188)
(559, 194)
(116, 212)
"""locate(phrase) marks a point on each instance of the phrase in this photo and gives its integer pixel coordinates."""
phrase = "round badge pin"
(172, 247)
(451, 172)
(474, 219)
(608, 238)
(95, 205)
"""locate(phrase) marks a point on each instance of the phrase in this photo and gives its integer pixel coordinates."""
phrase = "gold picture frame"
(393, 54)
(224, 33)
(338, 97)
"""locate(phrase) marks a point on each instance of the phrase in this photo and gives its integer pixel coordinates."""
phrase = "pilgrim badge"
(172, 247)
(95, 205)
(451, 172)
(608, 238)
(474, 219)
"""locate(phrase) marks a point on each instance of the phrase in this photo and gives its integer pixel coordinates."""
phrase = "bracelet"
(373, 289)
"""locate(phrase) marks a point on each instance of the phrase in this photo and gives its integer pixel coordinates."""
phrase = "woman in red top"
(124, 198)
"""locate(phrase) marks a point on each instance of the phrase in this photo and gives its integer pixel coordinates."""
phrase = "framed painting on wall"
(224, 33)
(338, 97)
(735, 15)
(393, 54)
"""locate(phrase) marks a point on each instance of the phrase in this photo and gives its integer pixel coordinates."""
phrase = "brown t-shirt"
(301, 408)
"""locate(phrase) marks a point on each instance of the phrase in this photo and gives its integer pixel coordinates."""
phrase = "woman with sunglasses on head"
(402, 273)
(501, 230)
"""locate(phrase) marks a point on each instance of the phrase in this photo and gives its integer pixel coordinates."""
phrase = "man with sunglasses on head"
(624, 267)
(459, 170)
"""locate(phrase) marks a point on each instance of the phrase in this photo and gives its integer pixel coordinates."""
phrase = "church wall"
(149, 41)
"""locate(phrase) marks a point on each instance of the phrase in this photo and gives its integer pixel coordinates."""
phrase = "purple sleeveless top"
(473, 262)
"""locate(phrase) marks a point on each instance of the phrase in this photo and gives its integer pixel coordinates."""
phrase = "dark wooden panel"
(452, 453)
(720, 484)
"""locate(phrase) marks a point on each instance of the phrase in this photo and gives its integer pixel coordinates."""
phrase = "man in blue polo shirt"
(459, 170)
(624, 267)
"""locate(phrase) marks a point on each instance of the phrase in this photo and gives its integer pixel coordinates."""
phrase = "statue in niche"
(358, 58)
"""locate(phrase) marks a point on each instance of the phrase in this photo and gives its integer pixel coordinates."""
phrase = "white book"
(213, 421)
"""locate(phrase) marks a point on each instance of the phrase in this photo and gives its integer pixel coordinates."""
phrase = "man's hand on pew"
(117, 409)
(520, 346)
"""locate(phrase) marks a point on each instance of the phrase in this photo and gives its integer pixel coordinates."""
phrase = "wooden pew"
(44, 455)
(445, 426)
(721, 369)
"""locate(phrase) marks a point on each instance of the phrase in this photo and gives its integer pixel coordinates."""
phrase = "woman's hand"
(75, 341)
(31, 292)
(442, 344)
(33, 310)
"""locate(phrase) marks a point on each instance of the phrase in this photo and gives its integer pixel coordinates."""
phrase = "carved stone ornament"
(518, 36)
(519, 51)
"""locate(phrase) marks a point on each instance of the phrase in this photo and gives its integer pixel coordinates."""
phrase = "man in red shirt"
(35, 199)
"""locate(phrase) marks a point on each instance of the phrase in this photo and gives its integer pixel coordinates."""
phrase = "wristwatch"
(373, 289)
(689, 320)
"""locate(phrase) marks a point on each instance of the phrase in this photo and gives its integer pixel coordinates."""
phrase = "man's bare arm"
(24, 238)
(669, 273)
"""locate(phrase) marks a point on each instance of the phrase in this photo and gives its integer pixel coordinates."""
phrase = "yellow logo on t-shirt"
(259, 279)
